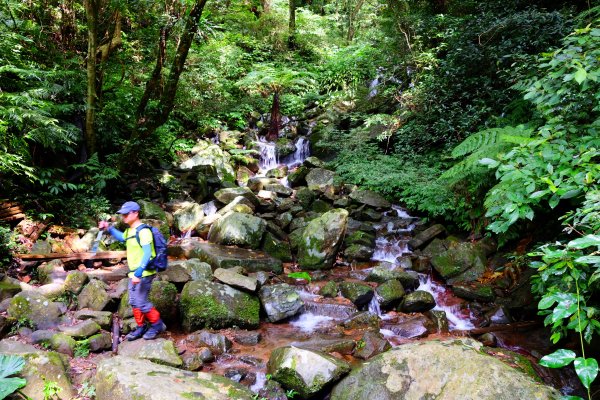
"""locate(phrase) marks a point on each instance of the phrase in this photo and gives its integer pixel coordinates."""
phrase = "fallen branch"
(101, 255)
(500, 328)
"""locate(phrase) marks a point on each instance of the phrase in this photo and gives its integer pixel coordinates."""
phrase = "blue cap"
(128, 207)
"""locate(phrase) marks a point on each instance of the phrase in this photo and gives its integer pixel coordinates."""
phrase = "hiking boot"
(155, 330)
(137, 333)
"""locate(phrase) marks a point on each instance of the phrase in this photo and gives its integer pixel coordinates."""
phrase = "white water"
(268, 156)
(209, 208)
(455, 320)
(309, 322)
(302, 153)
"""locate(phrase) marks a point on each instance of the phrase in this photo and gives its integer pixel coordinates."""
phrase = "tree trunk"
(352, 20)
(150, 118)
(292, 25)
(275, 124)
(91, 11)
(266, 6)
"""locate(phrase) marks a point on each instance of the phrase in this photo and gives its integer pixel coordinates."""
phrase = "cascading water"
(268, 156)
(302, 153)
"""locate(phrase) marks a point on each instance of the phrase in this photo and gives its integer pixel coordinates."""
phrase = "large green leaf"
(558, 359)
(585, 242)
(586, 369)
(10, 365)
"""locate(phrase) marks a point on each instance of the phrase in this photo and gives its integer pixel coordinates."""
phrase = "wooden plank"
(14, 217)
(101, 255)
(10, 211)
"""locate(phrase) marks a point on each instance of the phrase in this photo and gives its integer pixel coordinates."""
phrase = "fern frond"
(509, 134)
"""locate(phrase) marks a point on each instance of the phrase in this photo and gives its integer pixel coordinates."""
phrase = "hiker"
(139, 253)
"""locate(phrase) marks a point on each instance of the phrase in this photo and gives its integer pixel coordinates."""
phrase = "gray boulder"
(318, 178)
(370, 198)
(280, 301)
(238, 229)
(118, 378)
(35, 308)
(93, 296)
(188, 216)
(448, 370)
(321, 240)
(306, 371)
(160, 351)
(213, 159)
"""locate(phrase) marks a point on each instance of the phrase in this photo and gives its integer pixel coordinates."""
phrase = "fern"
(488, 143)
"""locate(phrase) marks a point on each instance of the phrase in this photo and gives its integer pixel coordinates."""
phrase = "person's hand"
(135, 280)
(102, 224)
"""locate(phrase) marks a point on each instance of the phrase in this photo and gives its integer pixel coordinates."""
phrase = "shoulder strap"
(137, 233)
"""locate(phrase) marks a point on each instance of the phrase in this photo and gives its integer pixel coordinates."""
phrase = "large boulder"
(454, 369)
(238, 229)
(321, 240)
(280, 301)
(118, 378)
(182, 271)
(93, 296)
(34, 308)
(213, 159)
(188, 216)
(461, 262)
(370, 198)
(40, 367)
(227, 195)
(160, 351)
(227, 257)
(306, 371)
(213, 305)
(318, 178)
(151, 210)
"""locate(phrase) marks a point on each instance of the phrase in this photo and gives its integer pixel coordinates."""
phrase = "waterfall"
(302, 153)
(456, 320)
(268, 155)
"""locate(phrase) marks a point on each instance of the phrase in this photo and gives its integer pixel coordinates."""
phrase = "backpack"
(160, 262)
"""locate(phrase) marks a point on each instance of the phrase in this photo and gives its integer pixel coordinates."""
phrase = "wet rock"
(371, 344)
(278, 188)
(389, 293)
(474, 291)
(239, 281)
(418, 301)
(160, 351)
(258, 183)
(217, 342)
(175, 273)
(360, 238)
(421, 264)
(313, 162)
(93, 296)
(227, 257)
(248, 338)
(118, 378)
(212, 305)
(330, 289)
(40, 367)
(242, 175)
(192, 361)
(362, 319)
(357, 252)
(318, 178)
(410, 326)
(305, 197)
(321, 240)
(238, 229)
(499, 315)
(80, 330)
(305, 371)
(423, 238)
(280, 301)
(356, 226)
(36, 309)
(462, 262)
(239, 204)
(385, 271)
(340, 346)
(357, 292)
(272, 391)
(284, 219)
(439, 320)
(453, 369)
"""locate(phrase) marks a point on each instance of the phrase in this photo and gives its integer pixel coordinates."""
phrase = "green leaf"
(558, 359)
(585, 242)
(489, 162)
(595, 276)
(580, 75)
(547, 301)
(10, 365)
(588, 260)
(586, 369)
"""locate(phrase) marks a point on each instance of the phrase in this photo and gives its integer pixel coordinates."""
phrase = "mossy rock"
(238, 229)
(94, 296)
(276, 248)
(163, 296)
(34, 308)
(213, 305)
(330, 289)
(321, 240)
